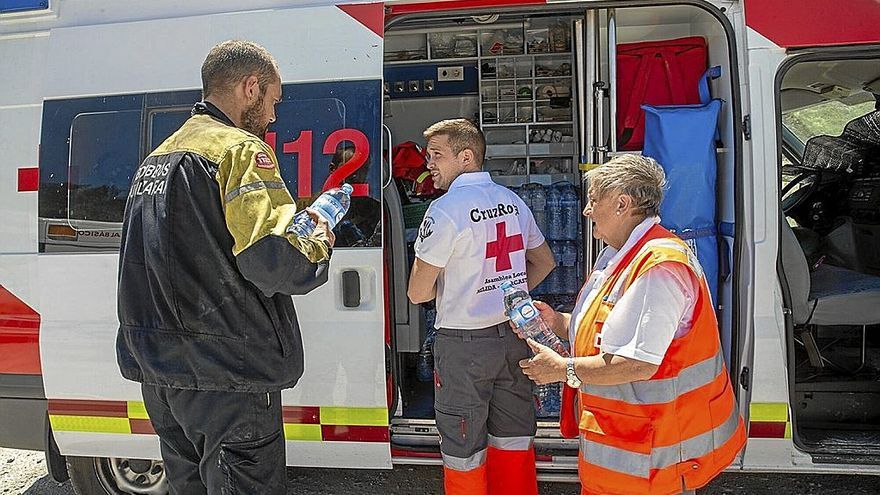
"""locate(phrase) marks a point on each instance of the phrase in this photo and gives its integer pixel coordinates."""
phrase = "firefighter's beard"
(252, 118)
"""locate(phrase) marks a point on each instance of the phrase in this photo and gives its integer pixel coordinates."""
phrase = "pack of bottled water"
(563, 212)
(554, 212)
(538, 198)
(570, 211)
(548, 399)
(567, 258)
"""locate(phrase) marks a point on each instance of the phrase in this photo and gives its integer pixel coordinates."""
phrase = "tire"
(114, 476)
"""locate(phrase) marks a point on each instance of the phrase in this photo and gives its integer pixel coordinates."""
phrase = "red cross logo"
(501, 248)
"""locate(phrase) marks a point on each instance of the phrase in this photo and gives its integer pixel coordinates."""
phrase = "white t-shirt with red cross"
(478, 233)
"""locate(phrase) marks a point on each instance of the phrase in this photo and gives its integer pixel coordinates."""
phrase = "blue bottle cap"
(347, 188)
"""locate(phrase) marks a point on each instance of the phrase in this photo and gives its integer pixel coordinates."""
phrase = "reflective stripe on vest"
(636, 464)
(664, 389)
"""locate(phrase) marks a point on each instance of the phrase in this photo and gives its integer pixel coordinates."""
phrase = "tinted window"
(164, 123)
(104, 152)
(22, 5)
(328, 133)
(90, 147)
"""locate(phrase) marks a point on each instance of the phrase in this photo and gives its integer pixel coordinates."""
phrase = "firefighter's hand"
(321, 226)
(546, 366)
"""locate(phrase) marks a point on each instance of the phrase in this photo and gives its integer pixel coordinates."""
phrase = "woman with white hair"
(656, 413)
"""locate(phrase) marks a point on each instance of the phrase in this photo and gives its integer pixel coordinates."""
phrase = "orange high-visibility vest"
(675, 431)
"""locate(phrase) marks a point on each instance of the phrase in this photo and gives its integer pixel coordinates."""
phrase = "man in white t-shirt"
(476, 236)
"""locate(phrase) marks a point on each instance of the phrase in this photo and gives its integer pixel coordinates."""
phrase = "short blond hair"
(462, 135)
(637, 176)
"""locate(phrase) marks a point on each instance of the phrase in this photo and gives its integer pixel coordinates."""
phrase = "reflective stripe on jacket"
(680, 428)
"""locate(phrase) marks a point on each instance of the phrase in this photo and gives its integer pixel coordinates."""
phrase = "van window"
(90, 147)
(104, 153)
(163, 123)
(827, 118)
(8, 6)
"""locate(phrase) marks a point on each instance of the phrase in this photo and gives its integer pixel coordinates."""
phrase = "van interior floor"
(837, 407)
(418, 400)
(841, 349)
(842, 442)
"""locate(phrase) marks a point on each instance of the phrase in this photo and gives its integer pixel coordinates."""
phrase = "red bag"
(410, 163)
(569, 421)
(655, 73)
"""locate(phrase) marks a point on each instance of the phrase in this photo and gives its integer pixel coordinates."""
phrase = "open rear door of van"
(129, 85)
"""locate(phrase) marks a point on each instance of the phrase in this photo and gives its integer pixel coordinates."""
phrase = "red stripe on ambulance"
(371, 15)
(301, 415)
(342, 433)
(19, 336)
(28, 179)
(413, 8)
(766, 429)
(101, 408)
(141, 427)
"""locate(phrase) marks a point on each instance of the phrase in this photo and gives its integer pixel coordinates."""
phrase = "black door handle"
(351, 289)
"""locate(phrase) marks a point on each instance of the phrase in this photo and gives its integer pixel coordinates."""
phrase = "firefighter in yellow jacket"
(206, 270)
(656, 411)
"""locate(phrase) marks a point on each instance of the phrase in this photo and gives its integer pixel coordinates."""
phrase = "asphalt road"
(407, 480)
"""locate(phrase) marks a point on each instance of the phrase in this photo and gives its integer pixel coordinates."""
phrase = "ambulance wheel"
(114, 476)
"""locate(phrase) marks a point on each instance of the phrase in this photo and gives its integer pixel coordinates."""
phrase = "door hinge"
(389, 359)
(747, 127)
(745, 378)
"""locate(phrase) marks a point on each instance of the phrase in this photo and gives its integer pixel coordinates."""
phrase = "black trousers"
(223, 443)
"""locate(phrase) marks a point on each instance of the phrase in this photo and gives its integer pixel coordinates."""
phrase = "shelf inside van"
(612, 154)
(534, 149)
(518, 180)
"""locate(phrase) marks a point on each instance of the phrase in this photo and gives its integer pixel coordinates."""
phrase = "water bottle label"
(331, 206)
(302, 224)
(523, 312)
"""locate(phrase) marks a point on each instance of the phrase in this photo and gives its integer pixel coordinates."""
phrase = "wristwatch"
(571, 378)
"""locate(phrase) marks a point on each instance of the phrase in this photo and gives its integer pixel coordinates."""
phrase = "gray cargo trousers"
(481, 396)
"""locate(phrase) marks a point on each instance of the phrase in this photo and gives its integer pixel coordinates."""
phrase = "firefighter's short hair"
(637, 176)
(462, 134)
(231, 61)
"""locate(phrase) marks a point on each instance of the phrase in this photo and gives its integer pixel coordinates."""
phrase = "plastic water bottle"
(527, 319)
(548, 399)
(332, 205)
(552, 280)
(569, 277)
(539, 205)
(570, 211)
(554, 213)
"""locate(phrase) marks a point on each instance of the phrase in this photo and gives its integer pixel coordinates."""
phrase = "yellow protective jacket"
(206, 266)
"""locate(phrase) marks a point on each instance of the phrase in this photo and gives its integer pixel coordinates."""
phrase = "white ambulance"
(89, 87)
